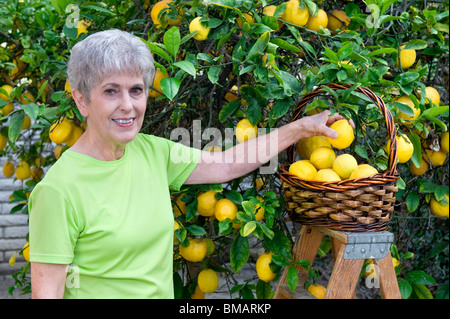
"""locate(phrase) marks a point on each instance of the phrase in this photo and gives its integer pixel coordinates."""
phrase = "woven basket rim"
(382, 177)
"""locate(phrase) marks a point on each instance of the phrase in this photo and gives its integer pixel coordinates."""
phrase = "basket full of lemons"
(325, 185)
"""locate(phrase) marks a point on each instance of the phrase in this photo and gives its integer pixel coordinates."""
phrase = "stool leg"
(388, 280)
(306, 246)
(344, 277)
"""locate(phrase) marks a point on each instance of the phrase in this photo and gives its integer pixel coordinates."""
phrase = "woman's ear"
(80, 101)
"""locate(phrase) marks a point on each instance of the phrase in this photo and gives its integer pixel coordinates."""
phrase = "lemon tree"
(243, 66)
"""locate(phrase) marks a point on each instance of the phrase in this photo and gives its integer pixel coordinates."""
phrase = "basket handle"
(391, 128)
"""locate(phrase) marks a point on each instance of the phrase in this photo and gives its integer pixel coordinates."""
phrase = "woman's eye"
(110, 91)
(136, 90)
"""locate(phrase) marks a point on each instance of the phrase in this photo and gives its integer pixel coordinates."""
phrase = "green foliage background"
(200, 73)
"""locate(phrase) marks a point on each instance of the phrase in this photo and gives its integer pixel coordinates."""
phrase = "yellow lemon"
(337, 19)
(409, 119)
(8, 108)
(405, 148)
(8, 89)
(345, 137)
(407, 57)
(294, 14)
(232, 95)
(306, 146)
(432, 95)
(196, 250)
(439, 209)
(82, 27)
(259, 211)
(208, 281)
(23, 171)
(77, 131)
(323, 157)
(180, 207)
(210, 245)
(315, 22)
(224, 209)
(263, 269)
(60, 130)
(326, 175)
(317, 291)
(444, 142)
(303, 169)
(344, 165)
(270, 11)
(202, 33)
(159, 21)
(198, 294)
(206, 203)
(26, 98)
(418, 170)
(435, 158)
(245, 131)
(26, 251)
(8, 169)
(363, 170)
(3, 142)
(155, 89)
(247, 18)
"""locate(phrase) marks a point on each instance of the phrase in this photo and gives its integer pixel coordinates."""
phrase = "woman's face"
(116, 109)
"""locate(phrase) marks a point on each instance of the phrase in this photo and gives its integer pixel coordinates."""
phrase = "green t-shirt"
(112, 221)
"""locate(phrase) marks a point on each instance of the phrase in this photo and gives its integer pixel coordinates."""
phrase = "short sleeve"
(182, 162)
(53, 226)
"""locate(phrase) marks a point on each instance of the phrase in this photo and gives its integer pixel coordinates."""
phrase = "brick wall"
(13, 231)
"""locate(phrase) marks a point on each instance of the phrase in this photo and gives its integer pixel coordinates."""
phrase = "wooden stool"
(349, 251)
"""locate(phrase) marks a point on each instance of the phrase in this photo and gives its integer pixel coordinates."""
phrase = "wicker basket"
(352, 205)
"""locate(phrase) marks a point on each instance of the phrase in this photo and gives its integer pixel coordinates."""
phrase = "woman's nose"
(126, 103)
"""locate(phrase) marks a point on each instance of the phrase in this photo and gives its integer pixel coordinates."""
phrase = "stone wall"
(13, 232)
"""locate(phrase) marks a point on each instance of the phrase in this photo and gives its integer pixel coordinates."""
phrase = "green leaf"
(292, 278)
(412, 201)
(416, 44)
(31, 109)
(405, 288)
(213, 74)
(196, 230)
(285, 45)
(406, 77)
(260, 45)
(239, 253)
(417, 153)
(100, 9)
(248, 207)
(16, 126)
(279, 244)
(186, 66)
(170, 87)
(419, 277)
(171, 40)
(440, 192)
(156, 49)
(382, 51)
(233, 196)
(279, 109)
(263, 290)
(422, 291)
(248, 228)
(228, 110)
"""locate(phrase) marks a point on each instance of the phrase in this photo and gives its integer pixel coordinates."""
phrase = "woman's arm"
(48, 280)
(219, 167)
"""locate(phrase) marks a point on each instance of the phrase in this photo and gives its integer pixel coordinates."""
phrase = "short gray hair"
(104, 53)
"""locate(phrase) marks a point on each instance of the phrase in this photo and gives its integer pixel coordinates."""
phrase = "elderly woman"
(104, 207)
